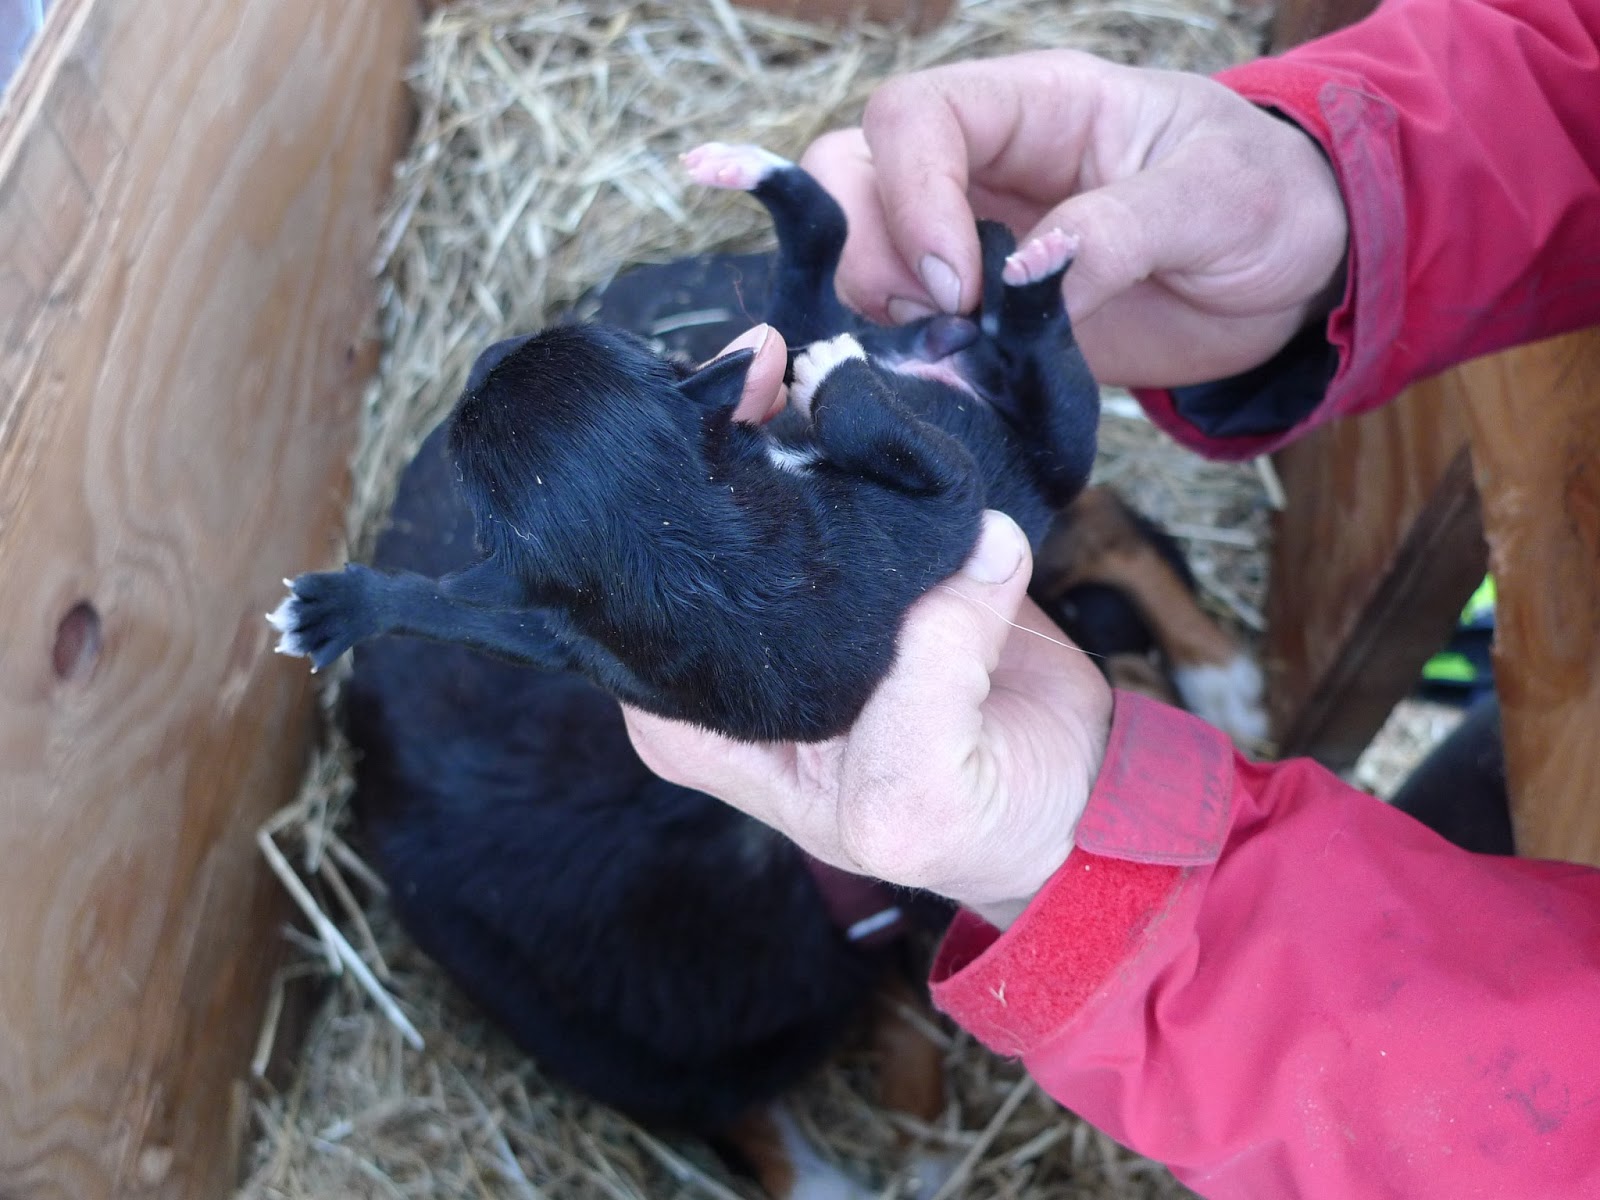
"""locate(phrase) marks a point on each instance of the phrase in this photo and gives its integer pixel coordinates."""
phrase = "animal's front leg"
(810, 225)
(863, 427)
(1059, 398)
(328, 612)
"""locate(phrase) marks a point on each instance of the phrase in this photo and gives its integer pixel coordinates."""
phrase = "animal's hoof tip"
(736, 167)
(1040, 257)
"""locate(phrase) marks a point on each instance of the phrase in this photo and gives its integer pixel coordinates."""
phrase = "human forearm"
(1466, 141)
(1280, 986)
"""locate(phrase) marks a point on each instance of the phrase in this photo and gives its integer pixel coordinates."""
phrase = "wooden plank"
(188, 202)
(1297, 21)
(1535, 419)
(918, 15)
(1378, 549)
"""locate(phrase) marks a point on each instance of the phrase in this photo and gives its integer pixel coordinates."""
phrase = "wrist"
(1041, 842)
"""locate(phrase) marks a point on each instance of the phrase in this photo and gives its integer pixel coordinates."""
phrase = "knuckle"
(892, 104)
(1111, 252)
(831, 149)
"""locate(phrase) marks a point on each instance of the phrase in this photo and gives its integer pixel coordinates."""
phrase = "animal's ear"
(719, 383)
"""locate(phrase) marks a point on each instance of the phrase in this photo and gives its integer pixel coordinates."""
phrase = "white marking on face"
(1228, 697)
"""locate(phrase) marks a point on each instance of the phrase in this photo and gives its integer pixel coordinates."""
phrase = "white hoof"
(1039, 257)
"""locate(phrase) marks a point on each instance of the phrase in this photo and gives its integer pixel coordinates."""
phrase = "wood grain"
(188, 202)
(919, 15)
(1297, 21)
(1379, 547)
(1535, 419)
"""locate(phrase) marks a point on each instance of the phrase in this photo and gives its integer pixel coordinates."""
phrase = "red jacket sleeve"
(1280, 986)
(1466, 139)
(1284, 988)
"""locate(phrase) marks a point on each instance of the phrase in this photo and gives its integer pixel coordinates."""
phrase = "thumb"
(948, 647)
(1125, 232)
(915, 764)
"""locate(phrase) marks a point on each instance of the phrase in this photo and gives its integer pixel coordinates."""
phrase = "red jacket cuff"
(1357, 132)
(1159, 812)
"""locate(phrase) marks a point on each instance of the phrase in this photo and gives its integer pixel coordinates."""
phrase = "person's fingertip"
(753, 338)
(903, 311)
(942, 282)
(763, 395)
(1000, 551)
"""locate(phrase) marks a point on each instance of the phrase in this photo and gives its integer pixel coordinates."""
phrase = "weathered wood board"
(189, 194)
(1535, 419)
(1377, 550)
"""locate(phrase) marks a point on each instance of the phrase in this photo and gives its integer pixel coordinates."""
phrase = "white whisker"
(945, 587)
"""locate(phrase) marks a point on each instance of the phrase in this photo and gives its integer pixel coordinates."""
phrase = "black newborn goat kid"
(748, 579)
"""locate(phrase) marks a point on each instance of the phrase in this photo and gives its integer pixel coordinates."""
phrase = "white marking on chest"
(1227, 696)
(812, 365)
(814, 1177)
(944, 371)
(795, 459)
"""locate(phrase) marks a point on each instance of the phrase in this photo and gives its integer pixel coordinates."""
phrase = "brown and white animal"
(1120, 587)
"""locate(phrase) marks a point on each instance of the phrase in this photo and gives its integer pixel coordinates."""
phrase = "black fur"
(647, 944)
(1459, 791)
(633, 532)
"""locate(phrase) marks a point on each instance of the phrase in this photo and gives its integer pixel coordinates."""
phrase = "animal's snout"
(492, 358)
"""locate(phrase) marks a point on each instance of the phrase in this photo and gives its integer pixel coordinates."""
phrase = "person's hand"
(969, 767)
(1208, 231)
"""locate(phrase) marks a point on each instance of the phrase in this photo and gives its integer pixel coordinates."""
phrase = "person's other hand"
(1208, 231)
(969, 767)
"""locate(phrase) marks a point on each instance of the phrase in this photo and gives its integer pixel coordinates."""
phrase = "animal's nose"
(492, 358)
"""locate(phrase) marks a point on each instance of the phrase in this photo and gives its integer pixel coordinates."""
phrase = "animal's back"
(645, 942)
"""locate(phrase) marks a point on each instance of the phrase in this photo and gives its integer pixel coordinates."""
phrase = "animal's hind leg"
(328, 612)
(811, 227)
(911, 1077)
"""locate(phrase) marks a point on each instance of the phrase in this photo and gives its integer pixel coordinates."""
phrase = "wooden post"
(919, 15)
(188, 201)
(1535, 418)
(1378, 548)
(1299, 21)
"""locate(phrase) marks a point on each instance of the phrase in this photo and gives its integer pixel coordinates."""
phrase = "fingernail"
(750, 339)
(902, 311)
(999, 551)
(939, 277)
